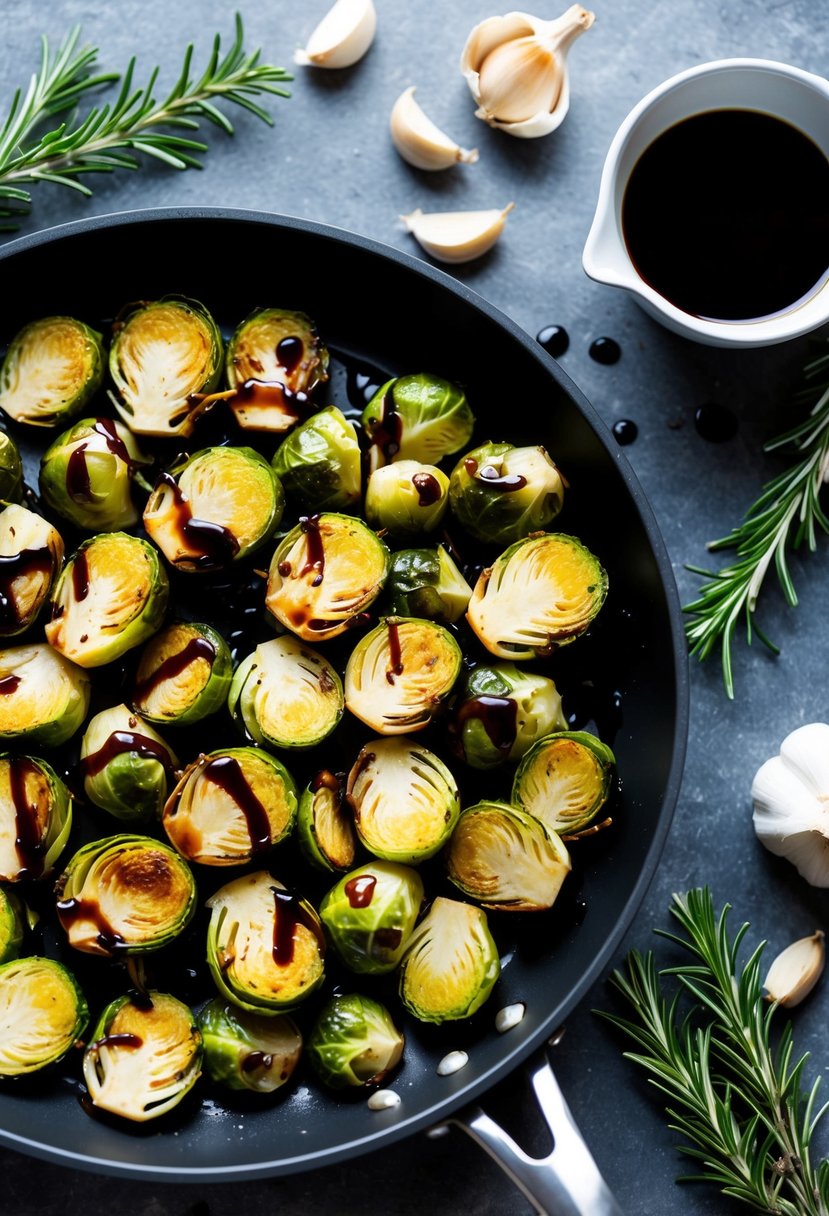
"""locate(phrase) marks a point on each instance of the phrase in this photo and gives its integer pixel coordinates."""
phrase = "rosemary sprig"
(734, 1096)
(109, 136)
(784, 516)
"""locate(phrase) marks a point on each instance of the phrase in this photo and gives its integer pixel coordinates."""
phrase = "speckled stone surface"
(329, 158)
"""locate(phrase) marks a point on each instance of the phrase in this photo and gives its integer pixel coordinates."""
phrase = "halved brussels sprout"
(52, 368)
(246, 1050)
(127, 768)
(43, 697)
(12, 926)
(324, 573)
(163, 355)
(183, 675)
(370, 914)
(86, 475)
(451, 963)
(43, 1014)
(427, 583)
(406, 497)
(11, 470)
(265, 946)
(125, 894)
(143, 1057)
(31, 553)
(405, 800)
(541, 593)
(417, 417)
(286, 694)
(506, 858)
(35, 817)
(500, 493)
(274, 360)
(501, 712)
(229, 806)
(398, 675)
(354, 1042)
(319, 463)
(325, 829)
(226, 503)
(564, 780)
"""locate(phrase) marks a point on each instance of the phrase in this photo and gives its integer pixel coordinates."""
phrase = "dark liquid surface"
(725, 215)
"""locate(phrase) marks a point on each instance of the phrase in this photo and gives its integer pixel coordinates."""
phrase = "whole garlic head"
(790, 793)
(516, 69)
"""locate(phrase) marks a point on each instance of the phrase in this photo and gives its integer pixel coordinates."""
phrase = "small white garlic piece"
(419, 141)
(456, 236)
(383, 1099)
(790, 793)
(516, 69)
(452, 1062)
(796, 970)
(509, 1017)
(342, 37)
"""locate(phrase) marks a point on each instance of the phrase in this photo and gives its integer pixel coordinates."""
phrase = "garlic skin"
(796, 970)
(342, 37)
(419, 141)
(790, 793)
(456, 236)
(516, 69)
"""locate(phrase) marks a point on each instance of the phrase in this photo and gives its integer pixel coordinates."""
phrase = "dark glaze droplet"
(9, 685)
(605, 350)
(256, 1059)
(428, 488)
(387, 430)
(497, 715)
(315, 561)
(625, 431)
(359, 891)
(325, 781)
(395, 652)
(226, 772)
(28, 837)
(72, 910)
(119, 743)
(77, 475)
(125, 1039)
(24, 564)
(284, 569)
(716, 423)
(288, 913)
(507, 483)
(555, 340)
(175, 664)
(289, 352)
(80, 575)
(210, 544)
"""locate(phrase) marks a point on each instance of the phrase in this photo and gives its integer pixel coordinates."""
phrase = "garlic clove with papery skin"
(796, 970)
(419, 141)
(342, 37)
(456, 236)
(790, 794)
(516, 69)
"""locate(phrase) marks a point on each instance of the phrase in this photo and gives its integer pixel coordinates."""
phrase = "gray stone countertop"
(329, 158)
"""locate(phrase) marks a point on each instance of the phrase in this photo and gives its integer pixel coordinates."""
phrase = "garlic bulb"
(791, 802)
(796, 970)
(419, 141)
(456, 236)
(516, 69)
(342, 37)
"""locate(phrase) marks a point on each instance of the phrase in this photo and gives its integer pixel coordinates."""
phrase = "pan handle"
(567, 1182)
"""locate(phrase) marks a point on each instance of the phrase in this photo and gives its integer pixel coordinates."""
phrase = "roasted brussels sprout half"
(506, 859)
(319, 463)
(226, 504)
(247, 1050)
(86, 475)
(111, 596)
(501, 712)
(564, 780)
(144, 1057)
(406, 498)
(125, 894)
(286, 695)
(451, 963)
(417, 417)
(325, 829)
(323, 574)
(163, 356)
(12, 926)
(35, 817)
(183, 675)
(370, 914)
(354, 1042)
(274, 360)
(31, 553)
(405, 800)
(398, 675)
(500, 493)
(11, 470)
(265, 946)
(43, 697)
(43, 1014)
(127, 768)
(52, 368)
(229, 806)
(540, 594)
(427, 583)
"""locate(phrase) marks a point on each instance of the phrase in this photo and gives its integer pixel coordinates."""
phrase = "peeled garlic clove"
(516, 69)
(342, 37)
(456, 236)
(419, 141)
(796, 970)
(790, 793)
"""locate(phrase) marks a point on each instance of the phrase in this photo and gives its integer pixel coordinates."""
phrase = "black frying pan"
(383, 310)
